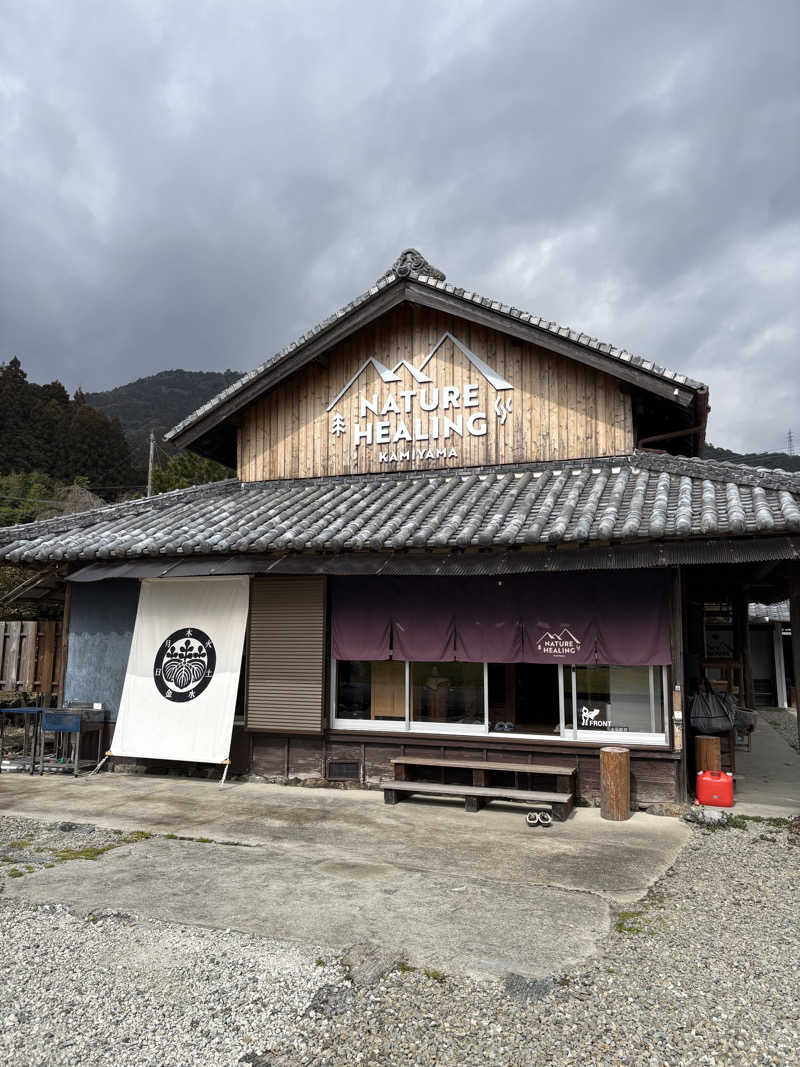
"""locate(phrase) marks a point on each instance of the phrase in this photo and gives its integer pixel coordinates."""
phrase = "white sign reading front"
(421, 419)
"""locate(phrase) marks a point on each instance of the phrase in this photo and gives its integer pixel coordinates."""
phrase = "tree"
(42, 429)
(185, 470)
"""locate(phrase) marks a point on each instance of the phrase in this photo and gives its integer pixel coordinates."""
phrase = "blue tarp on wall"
(101, 621)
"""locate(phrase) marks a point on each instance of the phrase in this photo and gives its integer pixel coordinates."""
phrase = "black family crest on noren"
(184, 664)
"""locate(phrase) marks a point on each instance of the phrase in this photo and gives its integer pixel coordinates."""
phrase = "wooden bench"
(563, 773)
(560, 800)
(475, 796)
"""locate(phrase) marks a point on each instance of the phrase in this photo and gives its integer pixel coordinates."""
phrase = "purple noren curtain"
(634, 619)
(607, 617)
(361, 621)
(488, 628)
(423, 619)
(559, 623)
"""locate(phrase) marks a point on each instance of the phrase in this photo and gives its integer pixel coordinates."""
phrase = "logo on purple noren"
(560, 645)
(184, 665)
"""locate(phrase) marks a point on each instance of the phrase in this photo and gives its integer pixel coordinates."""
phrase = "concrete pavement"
(768, 776)
(422, 881)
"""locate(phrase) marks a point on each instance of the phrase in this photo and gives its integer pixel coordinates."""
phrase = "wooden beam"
(439, 300)
(794, 609)
(681, 395)
(289, 365)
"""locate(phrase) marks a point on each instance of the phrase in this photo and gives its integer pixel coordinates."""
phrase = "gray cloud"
(195, 184)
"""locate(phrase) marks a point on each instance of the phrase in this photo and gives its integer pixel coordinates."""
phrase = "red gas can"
(715, 788)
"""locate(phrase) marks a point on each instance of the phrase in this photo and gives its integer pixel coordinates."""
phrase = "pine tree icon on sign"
(338, 426)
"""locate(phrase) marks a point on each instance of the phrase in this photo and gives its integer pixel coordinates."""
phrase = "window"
(449, 693)
(616, 700)
(371, 691)
(542, 701)
(524, 698)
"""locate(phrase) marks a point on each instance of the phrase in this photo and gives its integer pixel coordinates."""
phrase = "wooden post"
(615, 783)
(707, 752)
(741, 637)
(780, 667)
(794, 615)
(678, 675)
(62, 672)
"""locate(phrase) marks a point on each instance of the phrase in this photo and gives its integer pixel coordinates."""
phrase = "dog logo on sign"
(184, 665)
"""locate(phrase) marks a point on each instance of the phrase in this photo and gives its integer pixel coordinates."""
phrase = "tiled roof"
(620, 500)
(404, 271)
(778, 612)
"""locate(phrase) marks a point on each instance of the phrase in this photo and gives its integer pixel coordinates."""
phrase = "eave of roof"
(430, 289)
(586, 503)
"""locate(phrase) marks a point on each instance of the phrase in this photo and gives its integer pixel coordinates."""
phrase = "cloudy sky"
(193, 184)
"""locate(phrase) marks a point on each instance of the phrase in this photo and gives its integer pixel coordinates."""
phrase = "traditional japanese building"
(457, 531)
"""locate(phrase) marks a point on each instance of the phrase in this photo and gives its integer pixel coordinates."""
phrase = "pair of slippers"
(539, 818)
(500, 727)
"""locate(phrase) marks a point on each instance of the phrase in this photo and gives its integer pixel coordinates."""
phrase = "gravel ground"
(706, 970)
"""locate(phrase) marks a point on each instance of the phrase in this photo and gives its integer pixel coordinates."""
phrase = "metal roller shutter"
(286, 655)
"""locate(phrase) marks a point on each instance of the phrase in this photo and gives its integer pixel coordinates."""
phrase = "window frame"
(568, 722)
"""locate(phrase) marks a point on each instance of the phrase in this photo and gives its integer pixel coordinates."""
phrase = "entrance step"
(476, 797)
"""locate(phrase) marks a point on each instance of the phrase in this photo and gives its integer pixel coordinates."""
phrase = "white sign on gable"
(426, 421)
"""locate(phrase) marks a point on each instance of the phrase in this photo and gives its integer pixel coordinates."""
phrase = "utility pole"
(790, 443)
(150, 463)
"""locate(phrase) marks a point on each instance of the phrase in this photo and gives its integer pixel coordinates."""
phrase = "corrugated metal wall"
(101, 620)
(286, 655)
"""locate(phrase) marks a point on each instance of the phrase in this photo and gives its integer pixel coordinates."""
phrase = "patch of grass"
(202, 840)
(170, 837)
(404, 968)
(63, 855)
(47, 865)
(736, 822)
(770, 820)
(135, 835)
(564, 980)
(629, 922)
(433, 974)
(21, 842)
(320, 962)
(638, 921)
(14, 873)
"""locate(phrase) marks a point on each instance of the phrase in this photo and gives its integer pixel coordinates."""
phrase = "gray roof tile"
(616, 499)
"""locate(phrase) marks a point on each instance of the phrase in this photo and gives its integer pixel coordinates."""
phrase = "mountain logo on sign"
(184, 665)
(418, 374)
(562, 644)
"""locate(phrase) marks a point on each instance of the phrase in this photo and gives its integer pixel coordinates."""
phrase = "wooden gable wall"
(559, 409)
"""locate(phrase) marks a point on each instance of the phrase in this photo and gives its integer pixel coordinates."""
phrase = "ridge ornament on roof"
(410, 260)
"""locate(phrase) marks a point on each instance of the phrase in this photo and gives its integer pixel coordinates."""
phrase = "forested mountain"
(771, 460)
(158, 402)
(43, 429)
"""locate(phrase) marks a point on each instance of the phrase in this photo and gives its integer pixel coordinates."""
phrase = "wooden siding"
(30, 656)
(655, 778)
(560, 409)
(286, 655)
